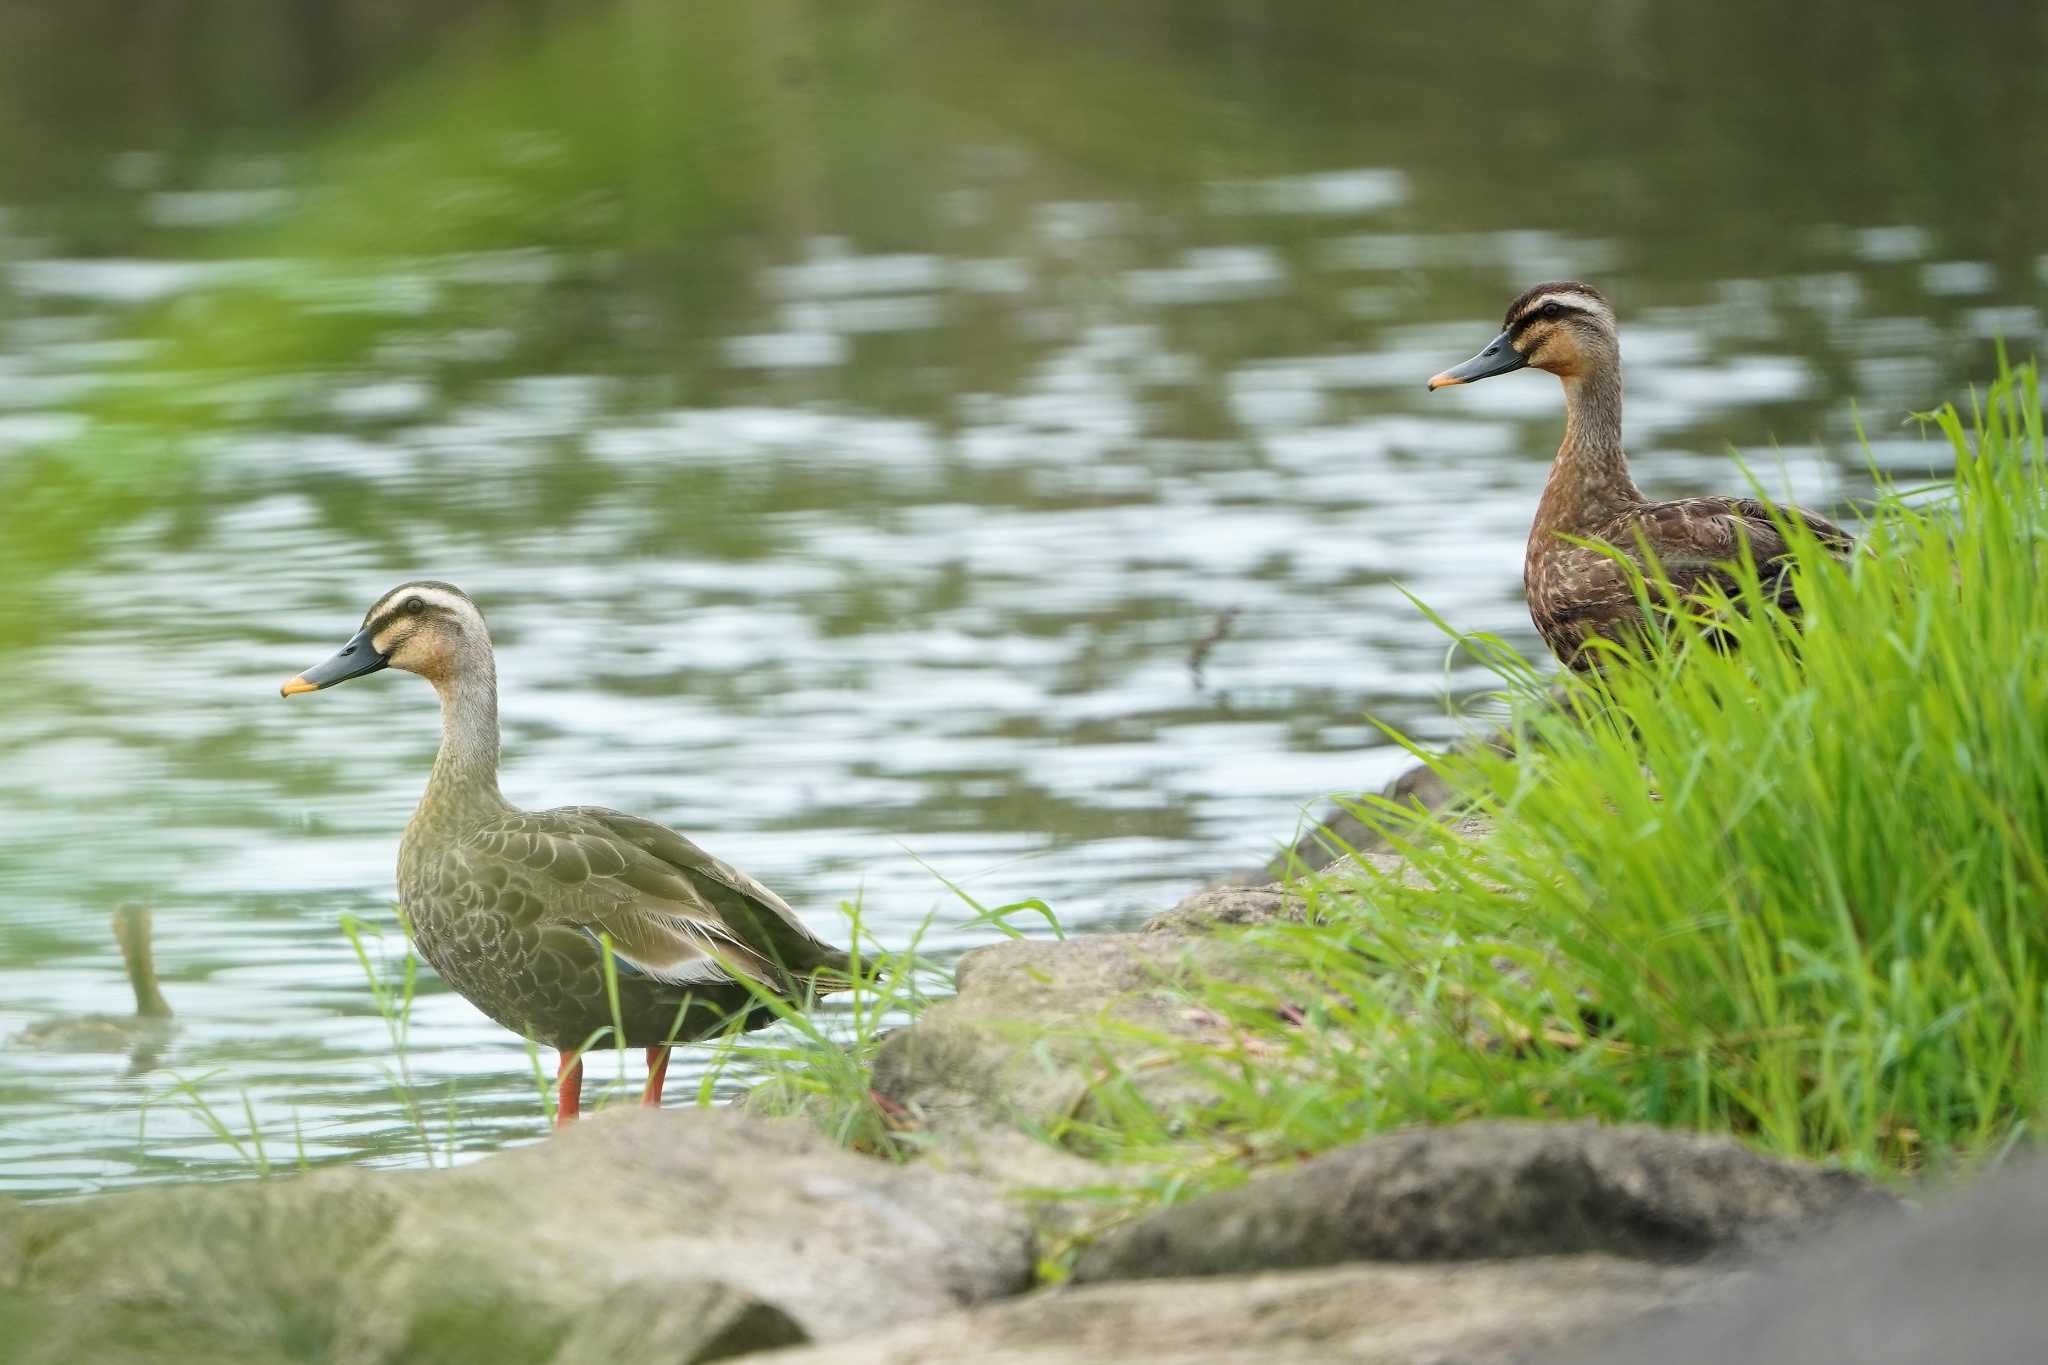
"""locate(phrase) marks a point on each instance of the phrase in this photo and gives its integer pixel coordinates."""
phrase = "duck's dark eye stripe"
(399, 613)
(1535, 314)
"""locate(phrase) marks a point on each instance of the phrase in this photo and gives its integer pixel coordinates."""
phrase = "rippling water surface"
(854, 502)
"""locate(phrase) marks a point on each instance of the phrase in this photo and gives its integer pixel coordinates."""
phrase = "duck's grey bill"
(352, 660)
(1499, 357)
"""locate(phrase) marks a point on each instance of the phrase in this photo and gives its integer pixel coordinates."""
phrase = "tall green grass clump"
(1795, 890)
(816, 1061)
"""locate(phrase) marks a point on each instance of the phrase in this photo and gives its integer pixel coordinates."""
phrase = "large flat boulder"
(1477, 1313)
(1490, 1190)
(1038, 1029)
(635, 1235)
(1958, 1282)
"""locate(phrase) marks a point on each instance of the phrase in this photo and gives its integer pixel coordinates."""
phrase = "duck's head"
(1564, 327)
(423, 627)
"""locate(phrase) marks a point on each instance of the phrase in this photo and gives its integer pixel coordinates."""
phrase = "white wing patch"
(694, 970)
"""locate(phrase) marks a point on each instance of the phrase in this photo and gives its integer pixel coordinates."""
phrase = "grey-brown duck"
(514, 908)
(1577, 592)
(143, 1034)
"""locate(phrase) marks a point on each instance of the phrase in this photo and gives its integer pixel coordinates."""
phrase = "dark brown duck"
(513, 907)
(1576, 592)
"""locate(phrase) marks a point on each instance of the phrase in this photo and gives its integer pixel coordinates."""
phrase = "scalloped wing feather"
(1696, 541)
(673, 850)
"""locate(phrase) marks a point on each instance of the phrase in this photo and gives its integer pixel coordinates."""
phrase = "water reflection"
(865, 506)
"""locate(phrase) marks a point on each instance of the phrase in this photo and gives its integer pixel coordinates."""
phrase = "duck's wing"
(1699, 541)
(670, 910)
(1763, 514)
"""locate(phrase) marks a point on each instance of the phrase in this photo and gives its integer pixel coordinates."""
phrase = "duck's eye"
(1551, 310)
(415, 605)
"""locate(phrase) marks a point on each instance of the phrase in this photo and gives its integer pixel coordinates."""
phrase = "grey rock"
(1037, 1029)
(1056, 1189)
(1360, 873)
(1483, 1190)
(1227, 907)
(1242, 907)
(1339, 833)
(1957, 1282)
(718, 1320)
(749, 1232)
(1476, 1313)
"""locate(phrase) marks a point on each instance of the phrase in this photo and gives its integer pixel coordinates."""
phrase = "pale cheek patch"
(1557, 352)
(414, 649)
(427, 654)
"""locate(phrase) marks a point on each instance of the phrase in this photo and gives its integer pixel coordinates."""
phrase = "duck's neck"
(464, 784)
(149, 1001)
(1589, 484)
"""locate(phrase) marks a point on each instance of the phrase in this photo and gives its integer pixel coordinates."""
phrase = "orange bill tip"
(1443, 381)
(296, 685)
